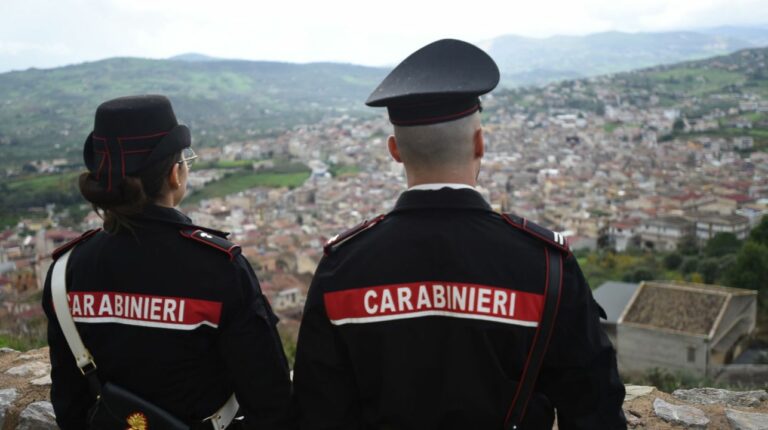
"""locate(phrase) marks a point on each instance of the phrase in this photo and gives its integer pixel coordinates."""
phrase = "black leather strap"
(535, 359)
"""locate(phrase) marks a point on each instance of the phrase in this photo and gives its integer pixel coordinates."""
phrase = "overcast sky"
(47, 33)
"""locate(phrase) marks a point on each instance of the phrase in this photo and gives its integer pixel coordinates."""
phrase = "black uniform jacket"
(173, 313)
(424, 321)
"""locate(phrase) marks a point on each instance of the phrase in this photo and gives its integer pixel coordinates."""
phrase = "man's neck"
(415, 179)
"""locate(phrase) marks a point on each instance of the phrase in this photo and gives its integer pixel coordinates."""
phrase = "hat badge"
(137, 421)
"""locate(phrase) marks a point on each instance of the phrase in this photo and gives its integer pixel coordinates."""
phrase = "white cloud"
(332, 30)
(17, 48)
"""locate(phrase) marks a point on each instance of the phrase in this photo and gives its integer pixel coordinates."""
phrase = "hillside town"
(629, 175)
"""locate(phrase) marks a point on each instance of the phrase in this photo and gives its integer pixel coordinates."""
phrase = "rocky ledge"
(698, 408)
(25, 383)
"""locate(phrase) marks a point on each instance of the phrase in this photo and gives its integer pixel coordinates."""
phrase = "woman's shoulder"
(211, 239)
(61, 250)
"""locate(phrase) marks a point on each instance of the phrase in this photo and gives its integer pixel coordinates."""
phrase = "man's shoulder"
(542, 234)
(340, 239)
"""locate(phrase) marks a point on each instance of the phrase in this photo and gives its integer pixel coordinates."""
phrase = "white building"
(665, 232)
(708, 225)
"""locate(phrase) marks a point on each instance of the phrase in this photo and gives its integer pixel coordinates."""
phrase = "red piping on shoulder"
(63, 248)
(211, 244)
(351, 232)
(525, 228)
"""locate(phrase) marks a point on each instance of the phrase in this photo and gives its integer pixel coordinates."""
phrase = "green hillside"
(48, 113)
(719, 88)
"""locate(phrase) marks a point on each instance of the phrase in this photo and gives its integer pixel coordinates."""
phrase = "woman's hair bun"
(96, 193)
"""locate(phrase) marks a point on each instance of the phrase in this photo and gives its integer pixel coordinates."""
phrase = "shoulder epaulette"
(212, 240)
(69, 245)
(337, 240)
(532, 229)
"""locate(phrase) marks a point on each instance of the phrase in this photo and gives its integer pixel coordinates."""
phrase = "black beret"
(440, 82)
(130, 134)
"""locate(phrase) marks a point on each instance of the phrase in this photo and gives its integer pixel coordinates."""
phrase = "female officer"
(169, 311)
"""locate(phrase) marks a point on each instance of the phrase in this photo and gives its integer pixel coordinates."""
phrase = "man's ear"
(479, 142)
(173, 177)
(393, 150)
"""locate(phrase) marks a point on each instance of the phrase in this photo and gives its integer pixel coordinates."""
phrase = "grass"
(21, 343)
(697, 81)
(17, 195)
(233, 164)
(611, 126)
(245, 180)
(37, 183)
(344, 170)
(757, 116)
(8, 220)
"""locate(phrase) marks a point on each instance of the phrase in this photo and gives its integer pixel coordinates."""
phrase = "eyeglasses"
(187, 157)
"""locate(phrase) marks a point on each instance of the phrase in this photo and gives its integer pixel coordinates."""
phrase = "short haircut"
(438, 145)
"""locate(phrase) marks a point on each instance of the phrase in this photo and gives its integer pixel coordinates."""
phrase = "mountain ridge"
(222, 101)
(569, 57)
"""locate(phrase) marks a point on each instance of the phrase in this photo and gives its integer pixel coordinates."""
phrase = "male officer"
(440, 314)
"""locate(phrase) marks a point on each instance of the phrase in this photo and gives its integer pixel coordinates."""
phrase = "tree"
(710, 270)
(751, 268)
(722, 244)
(604, 241)
(690, 265)
(639, 275)
(759, 234)
(678, 125)
(688, 245)
(672, 261)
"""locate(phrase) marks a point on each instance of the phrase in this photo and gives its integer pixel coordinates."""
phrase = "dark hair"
(128, 199)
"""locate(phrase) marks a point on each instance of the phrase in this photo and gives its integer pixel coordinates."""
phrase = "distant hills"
(534, 61)
(48, 113)
(51, 111)
(529, 61)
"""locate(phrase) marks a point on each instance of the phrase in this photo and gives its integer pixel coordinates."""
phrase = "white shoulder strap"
(61, 307)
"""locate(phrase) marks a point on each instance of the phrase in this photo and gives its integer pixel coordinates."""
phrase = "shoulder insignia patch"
(213, 241)
(69, 245)
(349, 234)
(531, 228)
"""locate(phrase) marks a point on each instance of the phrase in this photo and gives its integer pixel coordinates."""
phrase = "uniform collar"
(164, 214)
(443, 198)
(440, 185)
(172, 216)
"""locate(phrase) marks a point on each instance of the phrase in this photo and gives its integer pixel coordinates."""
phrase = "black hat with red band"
(130, 134)
(438, 83)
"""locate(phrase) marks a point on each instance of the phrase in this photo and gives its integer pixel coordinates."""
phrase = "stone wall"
(700, 408)
(25, 384)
